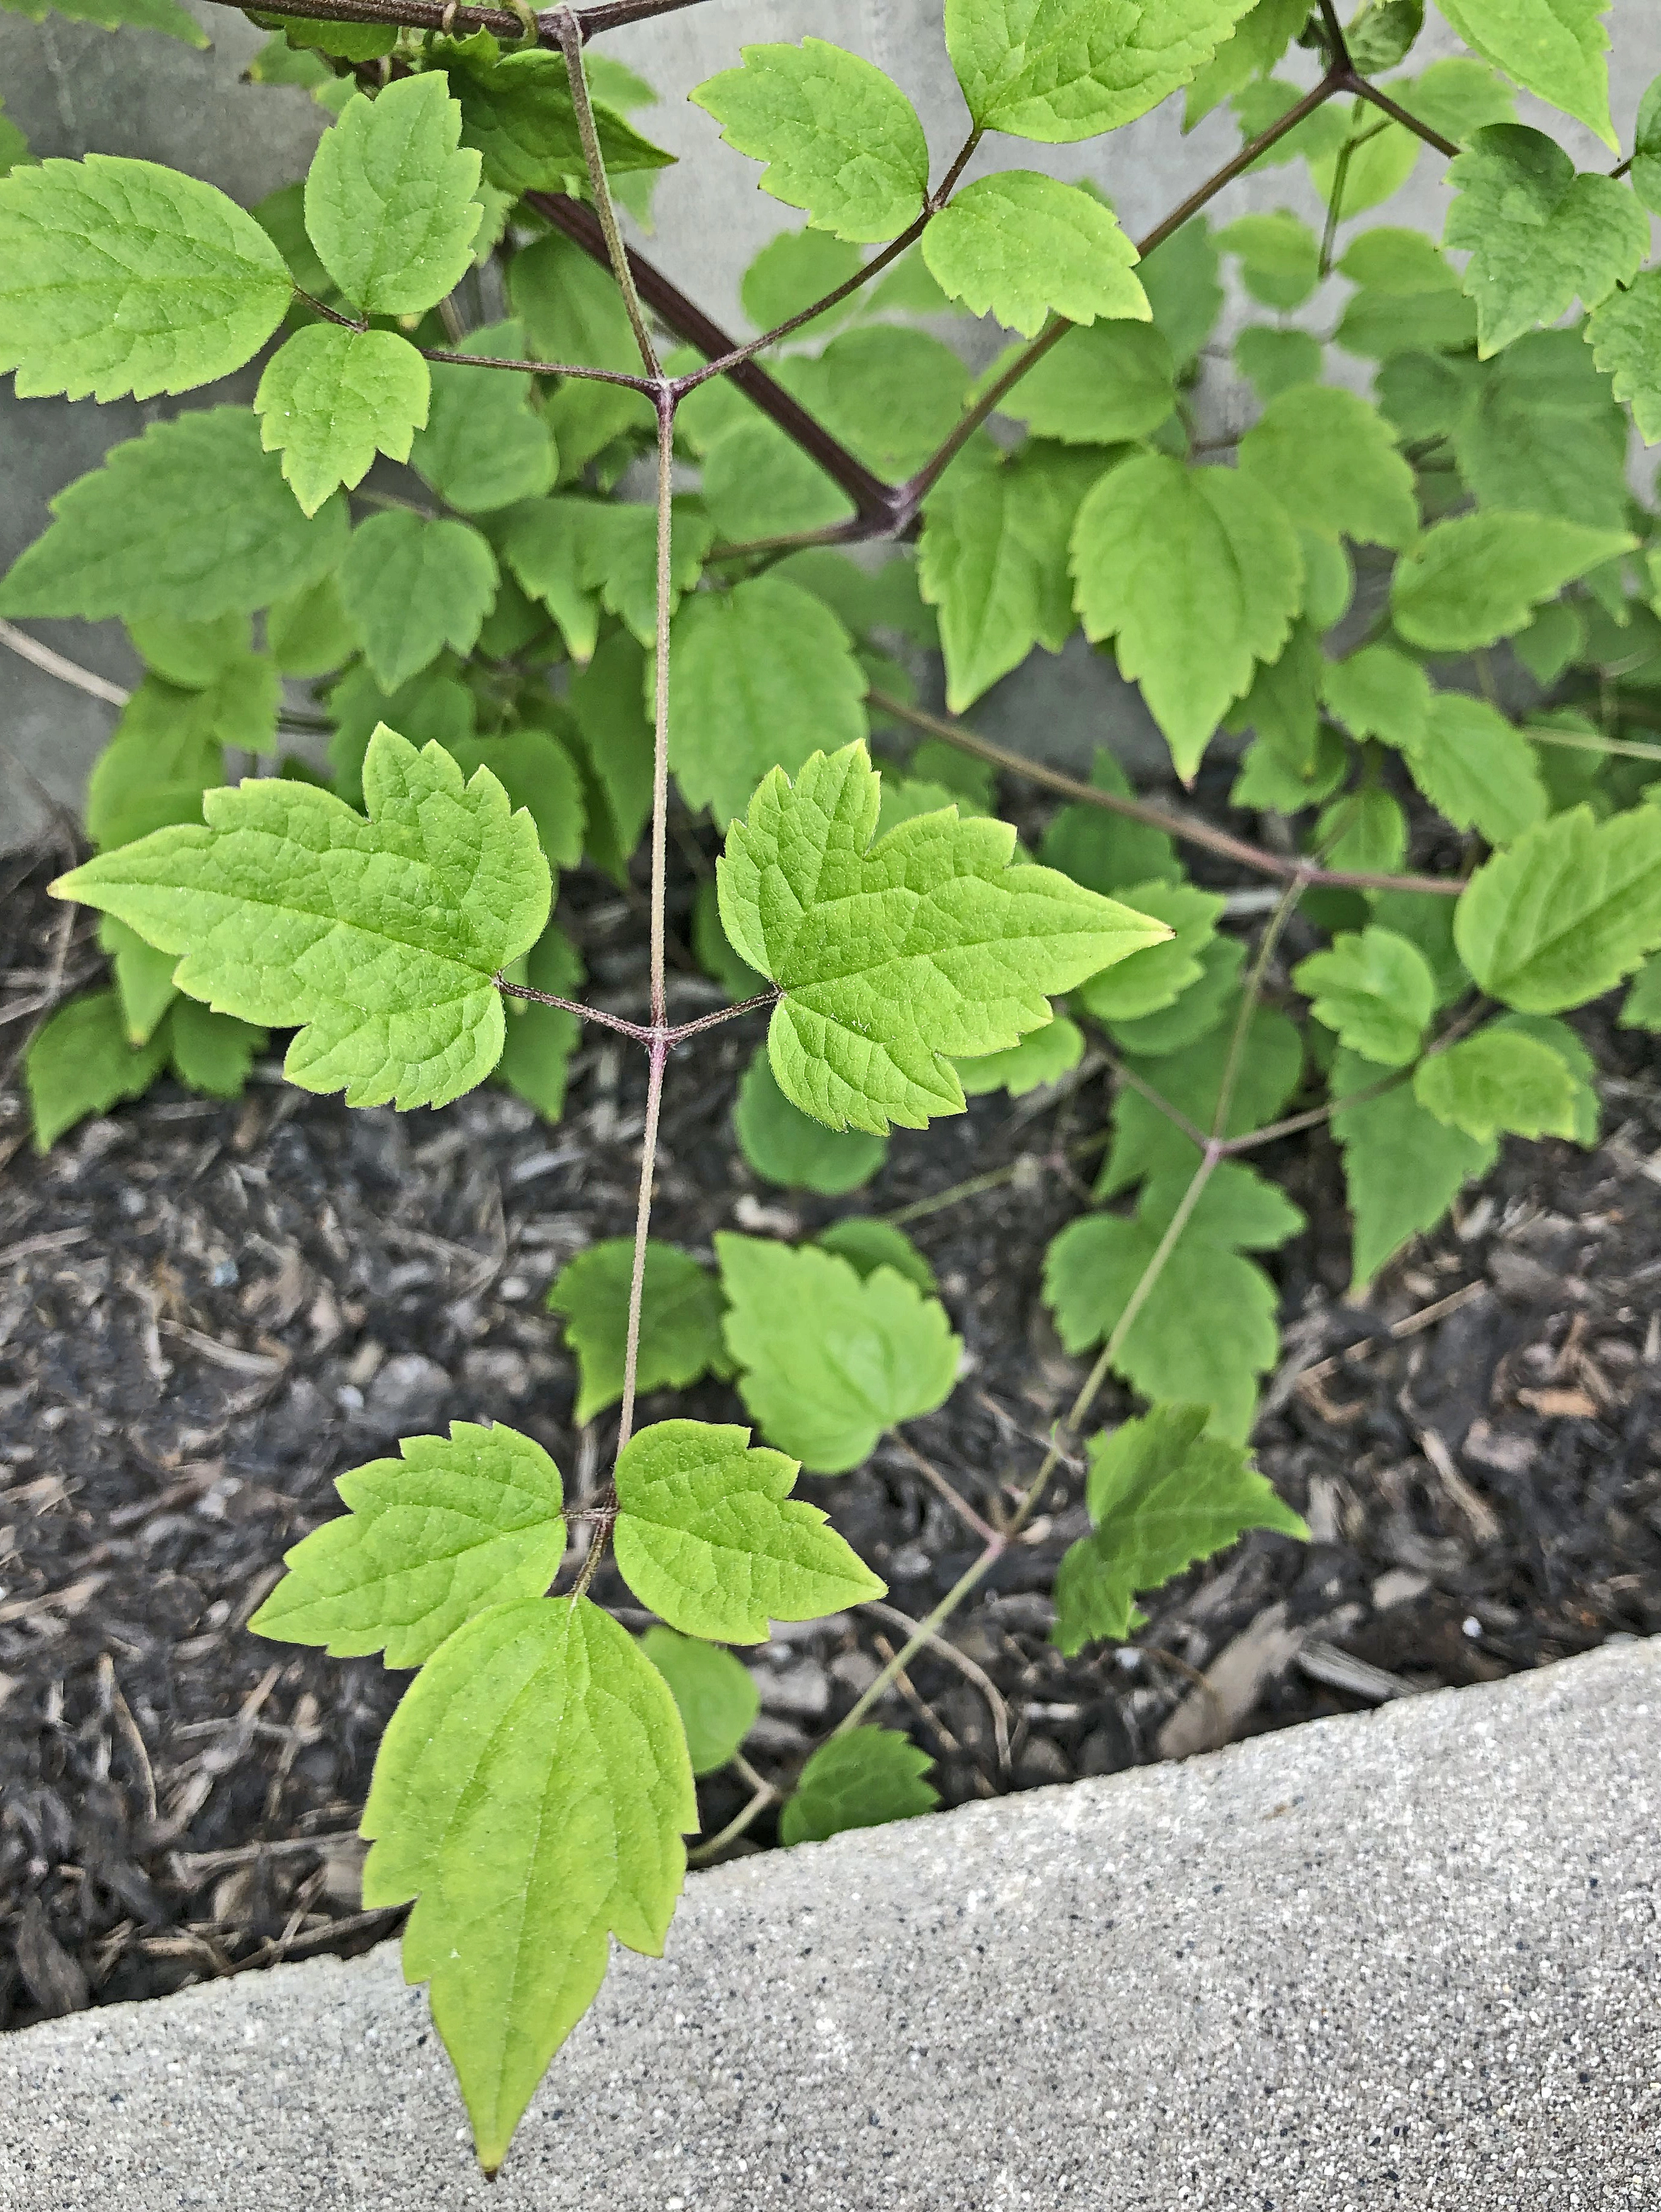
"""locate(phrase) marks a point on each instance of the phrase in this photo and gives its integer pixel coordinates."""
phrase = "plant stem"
(536, 368)
(765, 1795)
(1364, 89)
(67, 671)
(437, 15)
(648, 1145)
(1249, 996)
(565, 27)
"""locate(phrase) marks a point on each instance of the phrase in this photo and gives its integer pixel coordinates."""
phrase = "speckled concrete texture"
(1408, 1958)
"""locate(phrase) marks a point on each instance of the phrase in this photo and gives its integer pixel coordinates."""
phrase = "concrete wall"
(72, 89)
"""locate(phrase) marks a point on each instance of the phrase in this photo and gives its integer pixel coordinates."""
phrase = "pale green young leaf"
(1402, 1167)
(330, 399)
(1260, 38)
(1162, 1493)
(868, 1244)
(458, 1524)
(615, 740)
(410, 587)
(764, 676)
(123, 277)
(192, 519)
(840, 138)
(164, 754)
(1537, 234)
(390, 198)
(80, 1062)
(1105, 850)
(537, 773)
(1276, 360)
(789, 273)
(1098, 387)
(1147, 1142)
(1498, 1080)
(1566, 913)
(680, 1320)
(862, 1779)
(1158, 975)
(1057, 70)
(828, 1361)
(1476, 768)
(1200, 1007)
(516, 109)
(709, 1535)
(1471, 581)
(1624, 337)
(1375, 989)
(1196, 575)
(715, 1696)
(531, 1793)
(1585, 1113)
(1042, 1056)
(162, 16)
(1280, 257)
(792, 1149)
(1022, 247)
(541, 1040)
(1540, 429)
(1556, 48)
(378, 940)
(484, 445)
(143, 978)
(894, 959)
(1331, 459)
(211, 1053)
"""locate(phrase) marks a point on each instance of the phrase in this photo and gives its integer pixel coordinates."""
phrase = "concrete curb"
(1405, 1958)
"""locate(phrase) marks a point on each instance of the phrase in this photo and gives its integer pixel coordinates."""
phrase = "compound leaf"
(715, 1696)
(862, 1779)
(829, 1360)
(1471, 581)
(80, 1062)
(680, 1314)
(792, 1148)
(1375, 989)
(123, 277)
(1331, 459)
(892, 958)
(390, 198)
(330, 399)
(1556, 48)
(1021, 246)
(1480, 771)
(1498, 1080)
(1057, 70)
(378, 939)
(709, 1535)
(531, 1793)
(409, 586)
(1624, 337)
(1569, 910)
(1402, 1167)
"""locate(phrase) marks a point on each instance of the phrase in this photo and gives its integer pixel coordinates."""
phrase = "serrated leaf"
(1042, 1056)
(1477, 769)
(1195, 574)
(1556, 48)
(1105, 850)
(577, 555)
(680, 1314)
(1276, 360)
(1646, 147)
(1202, 1002)
(484, 446)
(1540, 429)
(516, 109)
(1375, 989)
(1331, 459)
(191, 654)
(1625, 337)
(1569, 910)
(1379, 693)
(1098, 387)
(615, 740)
(79, 1062)
(379, 938)
(191, 519)
(1184, 289)
(1641, 1008)
(757, 483)
(893, 957)
(390, 198)
(541, 1040)
(841, 139)
(211, 1053)
(1021, 246)
(1158, 975)
(862, 1779)
(1585, 1113)
(1057, 70)
(1146, 1141)
(1161, 1493)
(1260, 38)
(893, 395)
(1364, 830)
(1280, 257)
(537, 773)
(164, 755)
(1402, 1167)
(868, 1244)
(1498, 1081)
(531, 1793)
(764, 675)
(123, 277)
(1469, 582)
(790, 1147)
(790, 273)
(828, 1361)
(573, 311)
(1538, 235)
(457, 1525)
(330, 399)
(709, 1536)
(306, 633)
(715, 1696)
(409, 586)
(432, 707)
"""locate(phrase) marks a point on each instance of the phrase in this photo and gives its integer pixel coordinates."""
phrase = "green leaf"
(1201, 1005)
(1477, 769)
(890, 394)
(715, 1696)
(1196, 575)
(306, 632)
(1537, 234)
(1042, 1056)
(1585, 1112)
(868, 1244)
(1541, 430)
(841, 139)
(484, 445)
(708, 1535)
(410, 587)
(191, 519)
(390, 198)
(122, 277)
(1569, 910)
(1375, 989)
(790, 1147)
(1552, 642)
(1057, 70)
(517, 109)
(791, 272)
(1402, 1167)
(1098, 387)
(1146, 1141)
(1330, 460)
(541, 1040)
(615, 740)
(1495, 1081)
(1260, 38)
(1625, 337)
(1162, 1494)
(891, 958)
(1364, 830)
(1280, 257)
(1273, 778)
(211, 1053)
(531, 1793)
(378, 939)
(1379, 693)
(862, 1779)
(1183, 289)
(680, 1317)
(1642, 1007)
(330, 399)
(191, 654)
(1283, 705)
(143, 978)
(1646, 147)
(79, 1062)
(162, 16)
(431, 707)
(994, 561)
(1469, 582)
(579, 555)
(458, 1524)
(1276, 360)
(828, 1361)
(1105, 850)
(164, 753)
(1158, 975)
(759, 482)
(537, 773)
(1381, 325)
(764, 675)
(1556, 48)
(573, 311)
(1022, 247)
(1382, 32)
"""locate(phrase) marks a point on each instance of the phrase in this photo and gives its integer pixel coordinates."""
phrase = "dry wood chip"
(1560, 1405)
(52, 1977)
(231, 1357)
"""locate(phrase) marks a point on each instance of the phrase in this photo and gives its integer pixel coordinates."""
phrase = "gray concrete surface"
(1403, 1959)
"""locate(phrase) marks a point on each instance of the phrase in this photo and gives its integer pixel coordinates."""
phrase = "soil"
(208, 1312)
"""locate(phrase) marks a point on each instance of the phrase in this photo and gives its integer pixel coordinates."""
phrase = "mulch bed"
(208, 1312)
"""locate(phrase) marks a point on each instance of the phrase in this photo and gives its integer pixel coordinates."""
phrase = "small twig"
(765, 1795)
(964, 1665)
(67, 671)
(955, 1499)
(536, 368)
(1365, 89)
(564, 26)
